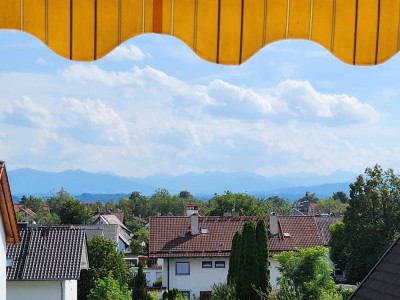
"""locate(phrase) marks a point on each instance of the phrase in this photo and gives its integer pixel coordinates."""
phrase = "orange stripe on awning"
(157, 16)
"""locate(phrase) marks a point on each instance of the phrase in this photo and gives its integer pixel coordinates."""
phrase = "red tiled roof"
(171, 237)
(303, 231)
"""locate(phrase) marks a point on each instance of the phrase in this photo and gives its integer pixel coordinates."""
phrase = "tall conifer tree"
(248, 274)
(263, 254)
(234, 258)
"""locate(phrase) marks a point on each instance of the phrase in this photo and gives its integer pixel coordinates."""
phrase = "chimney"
(194, 224)
(273, 224)
(192, 209)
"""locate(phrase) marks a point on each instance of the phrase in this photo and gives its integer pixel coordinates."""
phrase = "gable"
(7, 209)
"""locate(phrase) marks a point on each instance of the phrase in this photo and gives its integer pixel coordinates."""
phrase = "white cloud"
(26, 112)
(128, 52)
(92, 119)
(42, 61)
(309, 105)
(149, 121)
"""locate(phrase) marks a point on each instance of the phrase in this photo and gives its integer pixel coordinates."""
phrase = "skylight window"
(203, 230)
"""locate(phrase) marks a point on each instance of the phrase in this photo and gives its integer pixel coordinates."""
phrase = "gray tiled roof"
(324, 224)
(47, 253)
(110, 232)
(112, 219)
(383, 281)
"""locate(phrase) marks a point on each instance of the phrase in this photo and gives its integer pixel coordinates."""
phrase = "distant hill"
(89, 186)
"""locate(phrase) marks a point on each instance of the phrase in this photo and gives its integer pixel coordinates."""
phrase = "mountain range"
(87, 185)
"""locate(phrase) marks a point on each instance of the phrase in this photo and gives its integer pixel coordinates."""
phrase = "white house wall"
(3, 251)
(273, 273)
(34, 290)
(70, 290)
(42, 290)
(199, 279)
(202, 279)
(152, 275)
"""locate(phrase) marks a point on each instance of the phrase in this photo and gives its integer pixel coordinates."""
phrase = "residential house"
(383, 281)
(196, 249)
(109, 231)
(8, 226)
(124, 234)
(46, 265)
(27, 214)
(324, 223)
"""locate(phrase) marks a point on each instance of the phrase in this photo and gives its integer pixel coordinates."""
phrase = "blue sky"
(153, 106)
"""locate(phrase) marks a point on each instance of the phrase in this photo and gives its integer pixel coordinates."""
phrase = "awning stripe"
(95, 31)
(241, 32)
(355, 34)
(119, 21)
(71, 19)
(157, 16)
(378, 24)
(358, 32)
(264, 24)
(311, 19)
(196, 11)
(218, 29)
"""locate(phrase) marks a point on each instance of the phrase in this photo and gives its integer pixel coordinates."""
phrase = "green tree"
(141, 205)
(303, 204)
(109, 289)
(139, 284)
(262, 257)
(165, 204)
(72, 211)
(47, 218)
(133, 224)
(337, 245)
(140, 240)
(307, 272)
(55, 202)
(110, 205)
(221, 291)
(125, 205)
(234, 258)
(276, 205)
(342, 196)
(249, 270)
(34, 203)
(330, 205)
(104, 259)
(371, 220)
(242, 203)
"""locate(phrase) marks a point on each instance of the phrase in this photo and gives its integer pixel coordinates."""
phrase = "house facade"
(195, 249)
(8, 226)
(46, 265)
(124, 234)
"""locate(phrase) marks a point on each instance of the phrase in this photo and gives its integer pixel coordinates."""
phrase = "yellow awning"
(360, 32)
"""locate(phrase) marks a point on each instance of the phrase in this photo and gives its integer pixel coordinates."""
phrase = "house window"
(220, 264)
(206, 264)
(186, 294)
(182, 268)
(205, 295)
